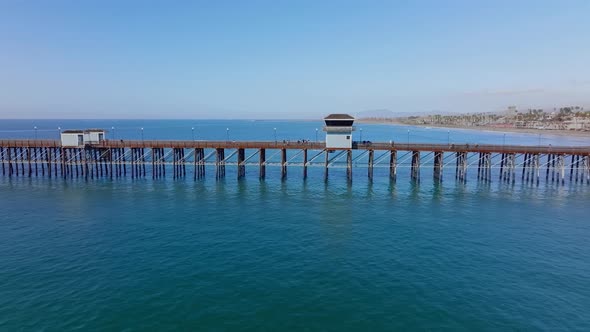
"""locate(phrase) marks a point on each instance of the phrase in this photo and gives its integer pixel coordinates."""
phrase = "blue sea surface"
(272, 255)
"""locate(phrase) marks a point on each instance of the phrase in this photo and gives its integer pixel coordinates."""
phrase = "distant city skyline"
(269, 60)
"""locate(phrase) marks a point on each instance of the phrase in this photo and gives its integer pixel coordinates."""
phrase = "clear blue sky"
(288, 59)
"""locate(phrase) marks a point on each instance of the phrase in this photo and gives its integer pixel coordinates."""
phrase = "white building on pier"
(72, 138)
(339, 128)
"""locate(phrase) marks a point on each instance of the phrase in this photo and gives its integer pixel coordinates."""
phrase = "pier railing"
(313, 145)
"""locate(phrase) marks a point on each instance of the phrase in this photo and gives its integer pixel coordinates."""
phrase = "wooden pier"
(139, 159)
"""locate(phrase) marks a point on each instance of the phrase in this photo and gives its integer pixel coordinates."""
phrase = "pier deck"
(116, 158)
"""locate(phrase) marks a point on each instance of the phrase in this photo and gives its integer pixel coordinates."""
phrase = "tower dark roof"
(339, 117)
(86, 131)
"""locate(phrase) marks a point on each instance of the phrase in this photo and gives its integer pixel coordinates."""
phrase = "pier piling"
(370, 165)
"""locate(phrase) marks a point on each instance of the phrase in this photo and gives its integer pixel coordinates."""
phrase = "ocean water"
(250, 255)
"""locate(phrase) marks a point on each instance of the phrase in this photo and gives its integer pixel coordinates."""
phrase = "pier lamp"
(35, 132)
(316, 135)
(408, 137)
(142, 134)
(58, 132)
(504, 141)
(113, 129)
(275, 135)
(193, 130)
(448, 137)
(361, 131)
(227, 133)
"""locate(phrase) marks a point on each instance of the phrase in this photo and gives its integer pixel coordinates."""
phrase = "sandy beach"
(571, 133)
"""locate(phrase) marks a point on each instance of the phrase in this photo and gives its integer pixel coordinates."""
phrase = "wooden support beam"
(513, 167)
(479, 166)
(36, 161)
(154, 175)
(326, 165)
(438, 166)
(54, 160)
(158, 163)
(572, 168)
(393, 165)
(489, 167)
(133, 163)
(29, 161)
(462, 166)
(124, 161)
(67, 163)
(283, 164)
(241, 166)
(577, 168)
(2, 157)
(554, 169)
(262, 164)
(349, 165)
(537, 167)
(195, 157)
(9, 162)
(304, 164)
(502, 161)
(415, 169)
(22, 161)
(86, 167)
(524, 166)
(62, 162)
(219, 164)
(201, 162)
(76, 161)
(141, 161)
(562, 168)
(43, 160)
(370, 165)
(96, 159)
(99, 152)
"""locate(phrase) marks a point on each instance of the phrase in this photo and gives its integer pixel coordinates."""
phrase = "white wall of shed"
(69, 139)
(339, 140)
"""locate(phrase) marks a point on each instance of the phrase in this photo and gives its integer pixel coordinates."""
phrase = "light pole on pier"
(408, 137)
(448, 137)
(113, 130)
(193, 132)
(316, 135)
(59, 132)
(275, 135)
(361, 131)
(35, 132)
(142, 134)
(227, 133)
(504, 141)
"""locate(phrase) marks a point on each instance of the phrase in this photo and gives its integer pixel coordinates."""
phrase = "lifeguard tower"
(339, 130)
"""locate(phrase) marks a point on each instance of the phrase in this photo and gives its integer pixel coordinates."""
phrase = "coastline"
(571, 133)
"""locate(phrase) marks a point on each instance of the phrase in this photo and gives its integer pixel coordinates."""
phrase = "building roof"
(80, 131)
(336, 116)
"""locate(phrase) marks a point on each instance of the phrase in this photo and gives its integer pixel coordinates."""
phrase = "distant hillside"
(382, 113)
(387, 114)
